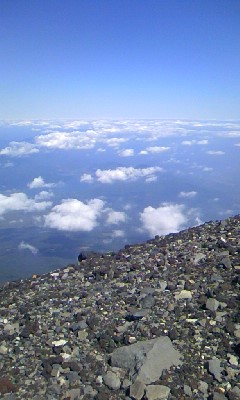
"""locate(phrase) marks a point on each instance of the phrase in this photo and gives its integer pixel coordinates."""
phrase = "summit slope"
(88, 331)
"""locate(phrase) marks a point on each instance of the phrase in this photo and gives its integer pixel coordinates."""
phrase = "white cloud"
(125, 174)
(126, 153)
(237, 144)
(20, 202)
(127, 207)
(154, 150)
(8, 165)
(192, 142)
(86, 178)
(68, 140)
(187, 194)
(22, 123)
(15, 221)
(115, 217)
(74, 215)
(114, 142)
(232, 133)
(204, 141)
(151, 178)
(27, 246)
(117, 233)
(18, 149)
(207, 169)
(43, 195)
(40, 183)
(225, 213)
(215, 152)
(167, 218)
(187, 142)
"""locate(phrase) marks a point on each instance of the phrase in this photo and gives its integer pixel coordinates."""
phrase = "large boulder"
(147, 359)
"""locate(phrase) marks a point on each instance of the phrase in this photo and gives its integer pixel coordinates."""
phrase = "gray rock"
(111, 380)
(147, 359)
(137, 314)
(3, 349)
(219, 396)
(184, 294)
(187, 390)
(198, 257)
(216, 278)
(82, 335)
(226, 262)
(234, 393)
(203, 387)
(137, 390)
(237, 333)
(88, 390)
(126, 383)
(215, 369)
(73, 394)
(162, 285)
(82, 325)
(148, 301)
(212, 304)
(11, 396)
(157, 392)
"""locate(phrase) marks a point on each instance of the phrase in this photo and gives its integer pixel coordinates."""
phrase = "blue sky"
(119, 59)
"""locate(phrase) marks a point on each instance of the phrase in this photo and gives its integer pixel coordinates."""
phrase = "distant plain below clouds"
(101, 184)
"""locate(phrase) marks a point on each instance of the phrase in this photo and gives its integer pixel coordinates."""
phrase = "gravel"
(159, 319)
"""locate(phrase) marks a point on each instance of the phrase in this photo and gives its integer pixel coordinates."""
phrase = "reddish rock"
(6, 386)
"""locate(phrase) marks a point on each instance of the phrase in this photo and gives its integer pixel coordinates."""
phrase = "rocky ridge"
(157, 320)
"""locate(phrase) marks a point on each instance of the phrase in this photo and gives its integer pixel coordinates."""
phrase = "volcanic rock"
(156, 320)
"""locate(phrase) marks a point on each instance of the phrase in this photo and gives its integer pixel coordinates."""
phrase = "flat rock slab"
(157, 392)
(147, 359)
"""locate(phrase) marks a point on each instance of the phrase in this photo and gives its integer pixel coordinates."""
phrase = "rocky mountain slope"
(158, 320)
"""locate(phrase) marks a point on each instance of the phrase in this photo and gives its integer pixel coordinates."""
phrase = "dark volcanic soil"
(158, 320)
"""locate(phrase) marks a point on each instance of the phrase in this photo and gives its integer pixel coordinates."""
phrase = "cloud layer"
(187, 194)
(125, 174)
(27, 246)
(116, 217)
(168, 218)
(154, 150)
(20, 202)
(40, 183)
(19, 149)
(74, 215)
